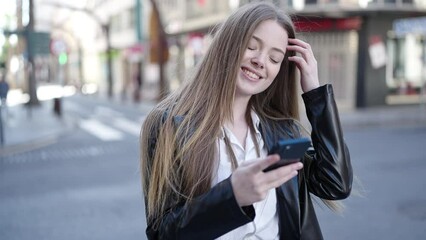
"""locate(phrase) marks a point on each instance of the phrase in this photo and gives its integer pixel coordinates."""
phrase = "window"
(406, 64)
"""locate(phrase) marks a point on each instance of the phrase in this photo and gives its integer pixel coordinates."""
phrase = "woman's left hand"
(305, 62)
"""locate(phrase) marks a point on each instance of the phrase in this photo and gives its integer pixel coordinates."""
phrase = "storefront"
(406, 65)
(335, 45)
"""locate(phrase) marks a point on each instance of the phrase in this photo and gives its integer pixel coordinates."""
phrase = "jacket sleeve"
(327, 168)
(207, 216)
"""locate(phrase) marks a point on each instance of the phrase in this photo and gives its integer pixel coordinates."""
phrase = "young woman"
(204, 148)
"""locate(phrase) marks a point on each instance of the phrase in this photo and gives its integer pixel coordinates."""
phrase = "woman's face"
(262, 59)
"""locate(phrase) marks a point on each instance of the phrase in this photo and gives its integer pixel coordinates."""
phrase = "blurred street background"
(81, 76)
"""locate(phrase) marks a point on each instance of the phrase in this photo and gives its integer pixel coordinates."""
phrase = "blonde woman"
(204, 148)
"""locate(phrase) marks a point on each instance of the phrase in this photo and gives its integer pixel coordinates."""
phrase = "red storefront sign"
(327, 24)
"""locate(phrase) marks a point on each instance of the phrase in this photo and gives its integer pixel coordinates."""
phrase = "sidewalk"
(27, 129)
(384, 116)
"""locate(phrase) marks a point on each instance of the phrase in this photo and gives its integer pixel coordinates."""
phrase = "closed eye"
(274, 61)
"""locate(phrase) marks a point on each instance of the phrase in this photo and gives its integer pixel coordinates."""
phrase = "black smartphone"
(290, 151)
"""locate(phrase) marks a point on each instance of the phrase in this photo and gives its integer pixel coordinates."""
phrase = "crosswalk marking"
(106, 111)
(127, 126)
(100, 130)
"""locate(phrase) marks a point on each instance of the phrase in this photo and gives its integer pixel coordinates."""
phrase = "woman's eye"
(274, 61)
(251, 48)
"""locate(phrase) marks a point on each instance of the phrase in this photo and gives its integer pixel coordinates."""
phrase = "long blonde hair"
(178, 160)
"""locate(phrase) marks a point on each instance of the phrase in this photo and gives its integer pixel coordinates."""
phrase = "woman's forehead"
(270, 32)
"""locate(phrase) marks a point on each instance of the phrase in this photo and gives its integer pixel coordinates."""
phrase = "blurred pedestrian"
(204, 148)
(4, 89)
(137, 82)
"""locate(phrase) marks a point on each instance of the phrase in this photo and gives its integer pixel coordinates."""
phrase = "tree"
(32, 85)
(160, 42)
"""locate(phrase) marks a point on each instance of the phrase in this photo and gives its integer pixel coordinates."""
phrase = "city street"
(391, 164)
(86, 184)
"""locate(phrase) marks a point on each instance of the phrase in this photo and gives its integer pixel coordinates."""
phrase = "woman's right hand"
(250, 184)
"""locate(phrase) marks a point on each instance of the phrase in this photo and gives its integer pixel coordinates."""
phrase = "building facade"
(368, 49)
(127, 44)
(354, 42)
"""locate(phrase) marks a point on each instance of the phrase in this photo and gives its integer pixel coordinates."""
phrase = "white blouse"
(265, 224)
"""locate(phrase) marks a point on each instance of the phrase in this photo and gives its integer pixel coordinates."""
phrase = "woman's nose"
(258, 62)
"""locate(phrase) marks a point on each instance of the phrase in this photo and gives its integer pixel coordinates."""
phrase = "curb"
(36, 143)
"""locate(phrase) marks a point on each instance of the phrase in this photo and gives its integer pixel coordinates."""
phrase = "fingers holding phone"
(251, 184)
(289, 150)
(280, 175)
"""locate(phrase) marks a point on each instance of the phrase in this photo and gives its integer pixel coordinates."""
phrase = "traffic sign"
(39, 43)
(58, 46)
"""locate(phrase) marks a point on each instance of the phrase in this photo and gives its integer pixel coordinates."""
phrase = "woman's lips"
(251, 75)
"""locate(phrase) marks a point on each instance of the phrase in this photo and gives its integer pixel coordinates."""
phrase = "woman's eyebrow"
(273, 48)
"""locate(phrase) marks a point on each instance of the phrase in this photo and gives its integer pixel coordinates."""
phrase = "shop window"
(406, 68)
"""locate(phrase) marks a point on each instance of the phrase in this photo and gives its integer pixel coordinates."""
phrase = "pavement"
(28, 128)
(384, 117)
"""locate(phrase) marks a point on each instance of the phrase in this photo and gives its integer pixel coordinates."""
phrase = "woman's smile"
(253, 76)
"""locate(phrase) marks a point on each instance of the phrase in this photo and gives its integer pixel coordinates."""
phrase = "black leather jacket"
(327, 173)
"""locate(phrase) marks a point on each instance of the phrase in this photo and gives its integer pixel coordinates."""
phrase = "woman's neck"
(239, 110)
(239, 125)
